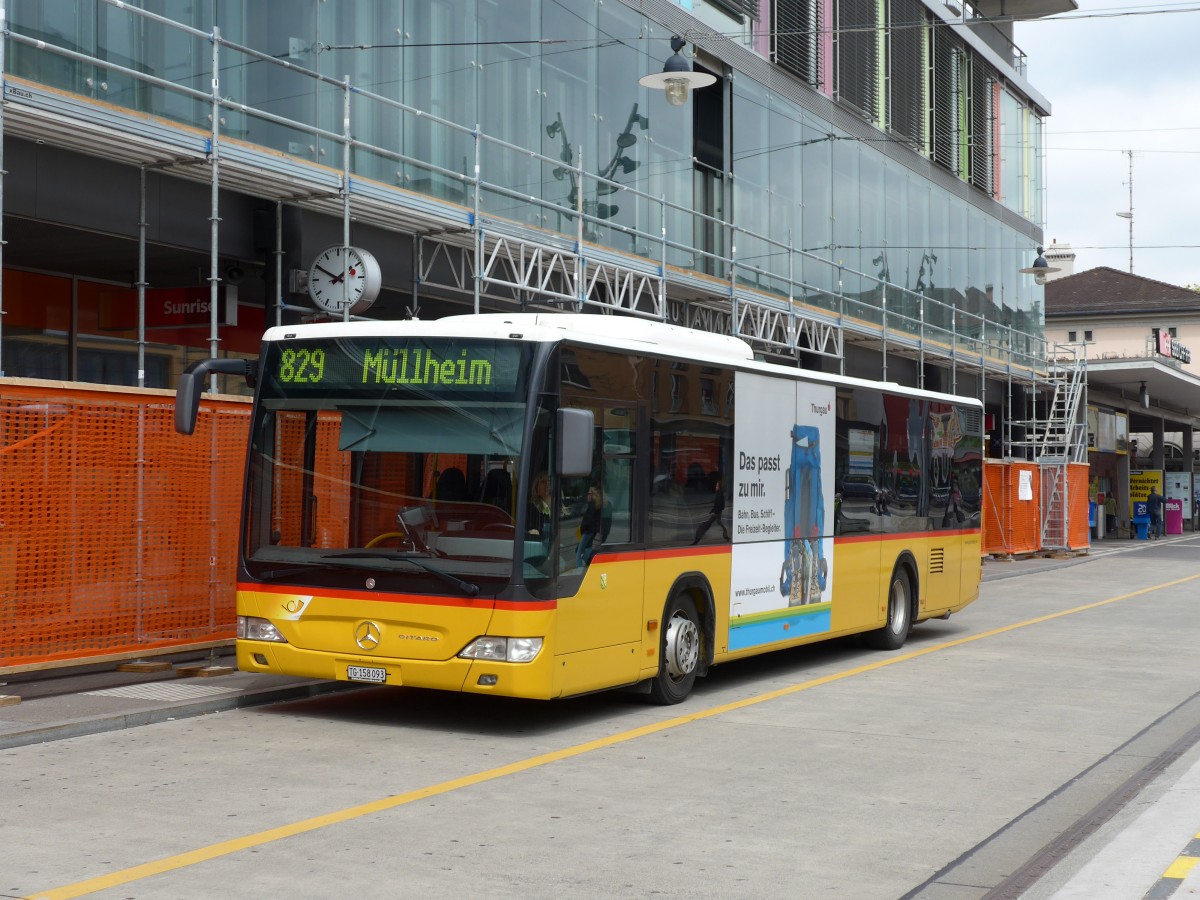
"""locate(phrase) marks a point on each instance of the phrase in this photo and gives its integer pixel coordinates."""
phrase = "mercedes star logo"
(367, 635)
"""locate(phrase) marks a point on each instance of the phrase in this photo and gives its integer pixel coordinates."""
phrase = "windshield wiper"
(293, 571)
(465, 586)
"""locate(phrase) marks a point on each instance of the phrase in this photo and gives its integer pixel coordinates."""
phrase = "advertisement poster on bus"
(782, 567)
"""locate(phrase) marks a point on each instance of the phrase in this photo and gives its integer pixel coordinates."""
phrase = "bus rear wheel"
(895, 630)
(679, 653)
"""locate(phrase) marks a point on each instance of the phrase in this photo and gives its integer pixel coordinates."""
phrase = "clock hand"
(337, 279)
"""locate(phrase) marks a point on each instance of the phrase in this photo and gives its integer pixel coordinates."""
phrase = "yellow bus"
(545, 505)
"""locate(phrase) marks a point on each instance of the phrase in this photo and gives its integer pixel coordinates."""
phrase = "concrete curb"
(19, 734)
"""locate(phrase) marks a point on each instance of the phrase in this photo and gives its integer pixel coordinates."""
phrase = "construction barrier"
(117, 535)
(992, 515)
(1013, 508)
(1012, 520)
(1079, 536)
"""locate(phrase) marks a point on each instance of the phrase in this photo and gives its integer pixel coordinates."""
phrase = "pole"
(346, 139)
(139, 558)
(884, 328)
(579, 234)
(921, 342)
(141, 279)
(214, 204)
(793, 337)
(953, 350)
(418, 251)
(3, 30)
(278, 262)
(477, 281)
(841, 319)
(662, 262)
(1130, 154)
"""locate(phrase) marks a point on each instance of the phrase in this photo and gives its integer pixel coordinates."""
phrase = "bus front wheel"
(895, 630)
(679, 652)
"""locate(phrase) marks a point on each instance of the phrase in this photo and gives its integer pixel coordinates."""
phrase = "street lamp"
(677, 78)
(1040, 268)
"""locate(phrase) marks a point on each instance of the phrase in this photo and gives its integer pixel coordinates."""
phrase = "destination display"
(429, 365)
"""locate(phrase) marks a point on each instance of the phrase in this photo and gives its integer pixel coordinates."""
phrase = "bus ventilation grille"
(937, 560)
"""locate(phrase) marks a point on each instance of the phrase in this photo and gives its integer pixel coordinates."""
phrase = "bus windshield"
(387, 463)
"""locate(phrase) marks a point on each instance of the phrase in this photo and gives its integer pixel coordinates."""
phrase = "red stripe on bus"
(902, 535)
(675, 553)
(526, 605)
(379, 597)
(689, 551)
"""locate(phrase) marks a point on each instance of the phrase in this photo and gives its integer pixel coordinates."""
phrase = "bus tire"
(679, 652)
(895, 630)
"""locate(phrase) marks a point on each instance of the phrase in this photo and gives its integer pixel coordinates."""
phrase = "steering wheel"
(499, 526)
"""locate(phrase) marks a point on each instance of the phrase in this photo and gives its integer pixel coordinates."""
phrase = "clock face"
(344, 279)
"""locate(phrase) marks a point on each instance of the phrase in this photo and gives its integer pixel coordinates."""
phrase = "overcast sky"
(1122, 75)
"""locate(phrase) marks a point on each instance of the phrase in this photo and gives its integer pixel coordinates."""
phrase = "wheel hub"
(898, 612)
(683, 646)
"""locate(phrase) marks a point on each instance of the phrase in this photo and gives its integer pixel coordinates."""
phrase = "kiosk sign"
(1170, 346)
(1140, 484)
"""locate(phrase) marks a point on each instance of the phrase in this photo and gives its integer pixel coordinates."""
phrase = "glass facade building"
(864, 177)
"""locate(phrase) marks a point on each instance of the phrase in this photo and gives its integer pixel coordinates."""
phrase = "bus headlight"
(503, 649)
(252, 628)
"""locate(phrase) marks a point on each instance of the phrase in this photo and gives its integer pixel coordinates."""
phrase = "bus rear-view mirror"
(191, 386)
(576, 429)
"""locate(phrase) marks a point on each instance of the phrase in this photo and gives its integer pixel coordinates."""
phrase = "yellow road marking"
(224, 848)
(1181, 868)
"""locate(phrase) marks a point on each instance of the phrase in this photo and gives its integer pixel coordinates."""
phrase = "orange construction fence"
(1078, 533)
(992, 518)
(117, 535)
(1012, 499)
(1013, 507)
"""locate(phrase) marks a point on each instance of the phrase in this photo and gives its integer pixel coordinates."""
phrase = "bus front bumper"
(532, 680)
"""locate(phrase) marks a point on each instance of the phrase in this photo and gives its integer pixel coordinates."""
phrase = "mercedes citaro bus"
(544, 505)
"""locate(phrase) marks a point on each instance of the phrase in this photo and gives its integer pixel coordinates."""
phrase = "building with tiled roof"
(1120, 316)
(1143, 386)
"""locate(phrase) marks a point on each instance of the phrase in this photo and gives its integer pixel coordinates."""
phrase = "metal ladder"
(1060, 438)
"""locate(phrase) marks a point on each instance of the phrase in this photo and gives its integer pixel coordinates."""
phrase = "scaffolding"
(472, 246)
(1055, 438)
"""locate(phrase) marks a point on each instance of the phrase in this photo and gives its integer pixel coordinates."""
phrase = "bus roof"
(615, 332)
(623, 332)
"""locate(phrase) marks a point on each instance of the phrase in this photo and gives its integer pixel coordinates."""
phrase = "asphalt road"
(993, 756)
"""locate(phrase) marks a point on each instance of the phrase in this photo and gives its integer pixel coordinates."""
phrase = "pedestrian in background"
(1154, 506)
(1110, 514)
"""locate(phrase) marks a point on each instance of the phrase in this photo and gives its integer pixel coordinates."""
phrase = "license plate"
(366, 673)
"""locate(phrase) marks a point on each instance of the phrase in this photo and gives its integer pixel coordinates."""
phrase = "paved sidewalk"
(1149, 852)
(1153, 857)
(67, 705)
(995, 568)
